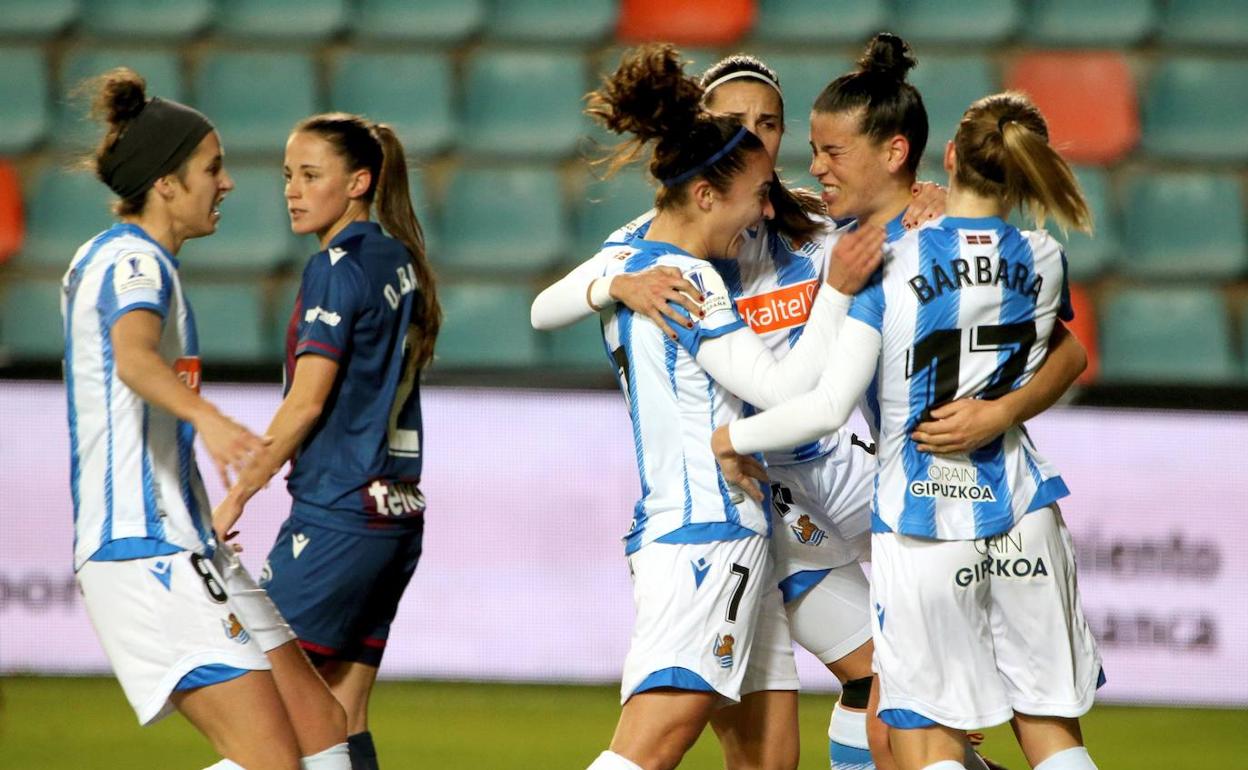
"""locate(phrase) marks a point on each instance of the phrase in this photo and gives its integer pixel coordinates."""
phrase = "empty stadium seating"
(1088, 100)
(802, 78)
(12, 216)
(819, 21)
(685, 23)
(578, 347)
(606, 206)
(24, 94)
(1204, 23)
(1173, 336)
(31, 19)
(30, 320)
(255, 98)
(65, 208)
(413, 92)
(292, 20)
(948, 85)
(428, 21)
(524, 103)
(972, 22)
(502, 220)
(230, 320)
(254, 232)
(486, 325)
(1188, 226)
(1194, 110)
(1082, 23)
(74, 130)
(552, 21)
(167, 19)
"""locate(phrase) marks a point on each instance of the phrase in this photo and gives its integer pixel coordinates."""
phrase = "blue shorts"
(340, 590)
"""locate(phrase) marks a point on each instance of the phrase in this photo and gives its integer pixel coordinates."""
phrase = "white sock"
(946, 764)
(333, 758)
(1077, 758)
(609, 760)
(847, 740)
(225, 764)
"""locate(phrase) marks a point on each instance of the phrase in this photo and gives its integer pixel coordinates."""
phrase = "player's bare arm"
(855, 257)
(136, 339)
(309, 390)
(970, 423)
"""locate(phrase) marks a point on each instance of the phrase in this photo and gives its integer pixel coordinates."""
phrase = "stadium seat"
(74, 129)
(975, 22)
(33, 19)
(1192, 111)
(24, 94)
(1088, 257)
(1185, 226)
(1204, 23)
(281, 304)
(819, 21)
(802, 78)
(1084, 327)
(173, 19)
(12, 218)
(254, 232)
(685, 22)
(292, 20)
(608, 205)
(1088, 100)
(255, 98)
(508, 220)
(524, 103)
(412, 92)
(485, 325)
(1179, 336)
(552, 21)
(1100, 24)
(428, 21)
(948, 85)
(578, 346)
(65, 209)
(31, 328)
(230, 320)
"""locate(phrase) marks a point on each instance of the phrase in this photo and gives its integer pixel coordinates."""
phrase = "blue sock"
(847, 740)
(363, 753)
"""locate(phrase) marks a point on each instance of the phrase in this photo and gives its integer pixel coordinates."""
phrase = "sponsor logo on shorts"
(722, 650)
(700, 568)
(953, 483)
(163, 571)
(298, 541)
(806, 531)
(234, 629)
(398, 499)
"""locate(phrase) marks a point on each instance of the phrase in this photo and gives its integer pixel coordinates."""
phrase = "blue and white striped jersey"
(674, 406)
(773, 282)
(964, 309)
(136, 489)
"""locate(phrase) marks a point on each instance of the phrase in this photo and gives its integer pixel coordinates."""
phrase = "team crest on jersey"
(722, 650)
(806, 531)
(234, 629)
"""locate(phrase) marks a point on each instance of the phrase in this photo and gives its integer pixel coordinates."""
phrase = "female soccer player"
(174, 613)
(362, 330)
(977, 614)
(822, 490)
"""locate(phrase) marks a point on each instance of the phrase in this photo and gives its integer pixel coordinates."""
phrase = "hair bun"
(122, 95)
(887, 55)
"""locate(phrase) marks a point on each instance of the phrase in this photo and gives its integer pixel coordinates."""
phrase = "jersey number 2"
(405, 442)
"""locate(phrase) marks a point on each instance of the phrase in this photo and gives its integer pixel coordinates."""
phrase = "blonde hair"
(1003, 151)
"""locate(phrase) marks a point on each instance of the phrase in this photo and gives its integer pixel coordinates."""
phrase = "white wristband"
(600, 293)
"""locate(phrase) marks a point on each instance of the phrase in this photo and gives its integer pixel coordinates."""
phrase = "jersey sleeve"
(138, 280)
(868, 304)
(331, 298)
(719, 311)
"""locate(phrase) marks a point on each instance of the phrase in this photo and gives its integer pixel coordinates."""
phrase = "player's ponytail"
(890, 106)
(395, 212)
(1003, 151)
(366, 145)
(117, 98)
(650, 97)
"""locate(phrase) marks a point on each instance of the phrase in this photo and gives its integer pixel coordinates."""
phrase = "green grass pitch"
(86, 724)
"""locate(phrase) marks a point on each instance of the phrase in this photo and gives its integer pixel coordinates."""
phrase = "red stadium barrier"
(1088, 98)
(685, 22)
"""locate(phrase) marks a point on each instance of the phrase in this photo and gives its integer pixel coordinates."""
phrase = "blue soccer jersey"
(964, 309)
(674, 406)
(135, 486)
(358, 304)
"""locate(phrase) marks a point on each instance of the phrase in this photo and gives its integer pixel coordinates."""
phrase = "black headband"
(155, 143)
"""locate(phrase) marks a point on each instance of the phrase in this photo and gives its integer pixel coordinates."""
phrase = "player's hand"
(854, 258)
(739, 470)
(649, 292)
(231, 446)
(928, 202)
(961, 426)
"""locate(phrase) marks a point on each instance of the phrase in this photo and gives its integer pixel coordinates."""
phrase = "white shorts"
(251, 602)
(969, 631)
(833, 617)
(822, 514)
(160, 618)
(709, 617)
